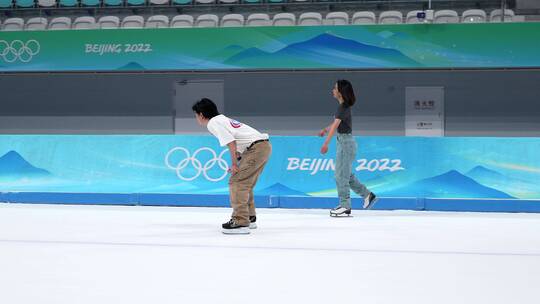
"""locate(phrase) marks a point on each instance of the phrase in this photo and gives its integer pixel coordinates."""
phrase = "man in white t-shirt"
(249, 150)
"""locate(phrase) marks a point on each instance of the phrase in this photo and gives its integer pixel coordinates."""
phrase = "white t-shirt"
(227, 130)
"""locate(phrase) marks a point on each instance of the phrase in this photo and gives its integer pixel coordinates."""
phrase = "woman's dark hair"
(206, 107)
(346, 90)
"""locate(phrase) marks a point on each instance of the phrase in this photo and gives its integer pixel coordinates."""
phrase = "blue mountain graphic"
(279, 189)
(451, 184)
(13, 164)
(327, 49)
(480, 172)
(248, 53)
(496, 180)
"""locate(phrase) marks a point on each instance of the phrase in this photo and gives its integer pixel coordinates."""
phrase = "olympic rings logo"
(196, 164)
(18, 50)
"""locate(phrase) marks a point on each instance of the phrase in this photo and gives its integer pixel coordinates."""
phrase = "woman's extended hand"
(324, 149)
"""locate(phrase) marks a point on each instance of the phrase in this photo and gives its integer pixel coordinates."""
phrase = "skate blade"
(340, 215)
(252, 225)
(243, 230)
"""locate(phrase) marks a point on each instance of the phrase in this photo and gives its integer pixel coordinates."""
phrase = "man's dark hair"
(206, 107)
(346, 90)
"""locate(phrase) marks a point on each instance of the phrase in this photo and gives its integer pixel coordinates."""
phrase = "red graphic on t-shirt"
(235, 124)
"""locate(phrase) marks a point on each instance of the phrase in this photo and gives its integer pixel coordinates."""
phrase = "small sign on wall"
(424, 111)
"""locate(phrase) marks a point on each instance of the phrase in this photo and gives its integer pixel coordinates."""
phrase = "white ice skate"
(370, 200)
(340, 211)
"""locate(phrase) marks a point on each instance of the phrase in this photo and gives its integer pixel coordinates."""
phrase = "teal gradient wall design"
(417, 46)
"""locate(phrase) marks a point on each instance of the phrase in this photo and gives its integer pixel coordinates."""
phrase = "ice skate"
(231, 227)
(370, 200)
(340, 211)
(252, 222)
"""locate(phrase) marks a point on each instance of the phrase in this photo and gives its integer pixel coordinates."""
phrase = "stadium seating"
(284, 19)
(412, 17)
(364, 18)
(36, 24)
(473, 16)
(390, 17)
(13, 24)
(25, 3)
(232, 20)
(47, 3)
(136, 2)
(446, 16)
(113, 2)
(496, 15)
(60, 23)
(132, 22)
(108, 22)
(90, 2)
(6, 3)
(207, 20)
(258, 20)
(84, 23)
(336, 18)
(68, 3)
(157, 21)
(182, 21)
(312, 18)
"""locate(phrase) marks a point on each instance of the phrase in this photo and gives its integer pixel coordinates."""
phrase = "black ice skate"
(340, 211)
(231, 227)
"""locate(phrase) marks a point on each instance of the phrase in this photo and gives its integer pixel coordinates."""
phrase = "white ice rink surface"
(99, 254)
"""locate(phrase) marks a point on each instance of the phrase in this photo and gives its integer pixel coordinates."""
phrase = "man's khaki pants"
(242, 183)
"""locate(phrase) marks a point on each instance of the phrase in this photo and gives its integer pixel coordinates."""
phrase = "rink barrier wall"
(270, 201)
(414, 173)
